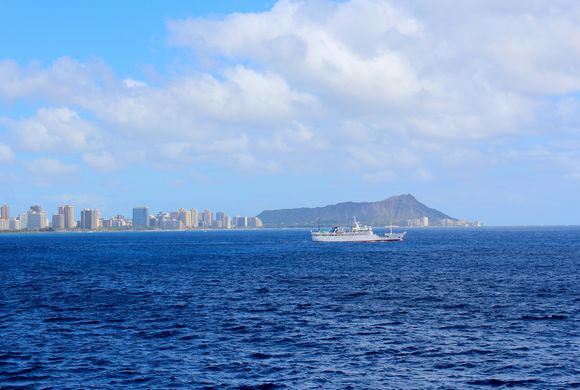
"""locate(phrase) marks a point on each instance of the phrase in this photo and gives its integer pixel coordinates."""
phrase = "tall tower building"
(58, 221)
(241, 221)
(194, 218)
(227, 222)
(69, 216)
(185, 217)
(89, 219)
(5, 212)
(220, 218)
(141, 217)
(207, 218)
(36, 218)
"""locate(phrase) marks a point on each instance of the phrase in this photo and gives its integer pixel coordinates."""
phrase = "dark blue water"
(447, 308)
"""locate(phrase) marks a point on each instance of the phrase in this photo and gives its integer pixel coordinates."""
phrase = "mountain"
(396, 209)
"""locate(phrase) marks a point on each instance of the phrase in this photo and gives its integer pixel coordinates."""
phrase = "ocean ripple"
(448, 308)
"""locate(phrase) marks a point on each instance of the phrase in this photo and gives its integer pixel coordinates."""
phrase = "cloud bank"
(363, 84)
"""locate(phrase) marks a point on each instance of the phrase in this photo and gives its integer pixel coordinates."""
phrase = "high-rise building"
(5, 212)
(36, 218)
(58, 221)
(89, 219)
(23, 219)
(207, 218)
(141, 217)
(194, 218)
(425, 221)
(185, 217)
(254, 222)
(222, 220)
(69, 216)
(240, 221)
(227, 224)
(14, 224)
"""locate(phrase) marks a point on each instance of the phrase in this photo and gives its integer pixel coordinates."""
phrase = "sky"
(473, 107)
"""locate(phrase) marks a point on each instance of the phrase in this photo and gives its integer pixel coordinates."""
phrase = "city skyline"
(36, 218)
(254, 105)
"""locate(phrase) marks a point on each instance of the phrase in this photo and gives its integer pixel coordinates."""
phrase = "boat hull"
(316, 237)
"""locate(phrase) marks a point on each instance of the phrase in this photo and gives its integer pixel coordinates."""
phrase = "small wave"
(455, 326)
(504, 382)
(158, 335)
(553, 317)
(476, 351)
(455, 306)
(427, 299)
(140, 379)
(189, 337)
(238, 329)
(357, 294)
(444, 366)
(262, 386)
(15, 355)
(25, 378)
(262, 310)
(62, 319)
(259, 355)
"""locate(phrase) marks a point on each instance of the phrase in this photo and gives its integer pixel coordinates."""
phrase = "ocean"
(269, 309)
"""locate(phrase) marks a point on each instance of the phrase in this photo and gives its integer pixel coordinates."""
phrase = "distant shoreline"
(270, 228)
(124, 231)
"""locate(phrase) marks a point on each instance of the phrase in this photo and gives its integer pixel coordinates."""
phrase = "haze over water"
(446, 308)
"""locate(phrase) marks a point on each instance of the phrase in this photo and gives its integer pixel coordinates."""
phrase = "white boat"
(356, 233)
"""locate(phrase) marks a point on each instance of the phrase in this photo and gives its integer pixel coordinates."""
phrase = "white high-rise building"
(227, 222)
(36, 218)
(14, 224)
(194, 218)
(185, 217)
(207, 218)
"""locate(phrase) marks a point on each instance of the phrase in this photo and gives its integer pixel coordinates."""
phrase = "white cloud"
(132, 83)
(315, 51)
(45, 167)
(362, 83)
(54, 129)
(65, 80)
(81, 200)
(103, 161)
(6, 154)
(424, 175)
(383, 176)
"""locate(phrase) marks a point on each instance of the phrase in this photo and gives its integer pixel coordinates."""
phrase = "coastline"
(272, 228)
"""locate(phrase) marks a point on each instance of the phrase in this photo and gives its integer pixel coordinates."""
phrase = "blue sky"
(251, 105)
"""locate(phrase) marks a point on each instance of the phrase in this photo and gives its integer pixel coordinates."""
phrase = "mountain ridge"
(396, 209)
